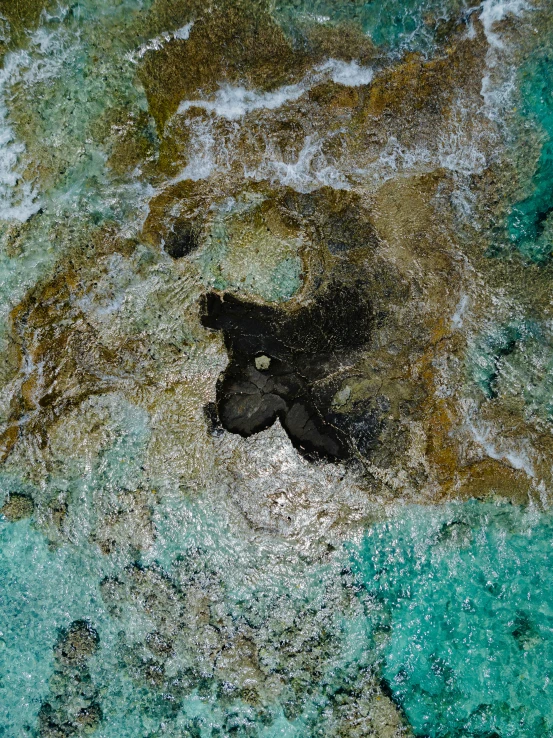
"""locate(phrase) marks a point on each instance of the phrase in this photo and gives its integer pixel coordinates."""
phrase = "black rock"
(279, 358)
(181, 242)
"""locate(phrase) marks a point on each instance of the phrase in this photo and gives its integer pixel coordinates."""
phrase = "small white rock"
(262, 363)
(341, 397)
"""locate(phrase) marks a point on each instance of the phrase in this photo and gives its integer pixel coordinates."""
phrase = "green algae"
(250, 251)
(286, 279)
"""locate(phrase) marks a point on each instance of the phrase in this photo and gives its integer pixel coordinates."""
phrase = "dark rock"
(181, 242)
(77, 644)
(298, 349)
(158, 644)
(362, 425)
(525, 632)
(72, 708)
(89, 717)
(214, 426)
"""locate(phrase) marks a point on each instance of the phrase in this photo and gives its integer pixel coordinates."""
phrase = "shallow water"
(276, 375)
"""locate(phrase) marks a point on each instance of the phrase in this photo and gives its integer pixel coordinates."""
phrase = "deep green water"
(285, 626)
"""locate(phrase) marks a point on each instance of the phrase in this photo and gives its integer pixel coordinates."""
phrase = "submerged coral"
(72, 708)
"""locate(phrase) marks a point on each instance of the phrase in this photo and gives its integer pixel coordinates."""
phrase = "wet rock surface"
(260, 291)
(278, 358)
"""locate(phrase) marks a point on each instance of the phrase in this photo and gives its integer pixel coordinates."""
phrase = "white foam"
(158, 42)
(234, 102)
(498, 80)
(396, 159)
(463, 200)
(460, 156)
(494, 11)
(501, 452)
(201, 153)
(51, 51)
(138, 194)
(497, 93)
(311, 170)
(184, 33)
(458, 148)
(457, 152)
(471, 31)
(458, 316)
(350, 74)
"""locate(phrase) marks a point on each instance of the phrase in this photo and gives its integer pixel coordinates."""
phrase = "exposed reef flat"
(276, 368)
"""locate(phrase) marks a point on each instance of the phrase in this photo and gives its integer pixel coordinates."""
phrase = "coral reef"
(276, 368)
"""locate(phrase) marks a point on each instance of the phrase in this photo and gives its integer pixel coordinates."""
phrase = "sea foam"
(18, 200)
(234, 102)
(311, 169)
(349, 74)
(158, 42)
(494, 11)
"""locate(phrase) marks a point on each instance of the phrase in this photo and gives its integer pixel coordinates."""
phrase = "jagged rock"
(17, 507)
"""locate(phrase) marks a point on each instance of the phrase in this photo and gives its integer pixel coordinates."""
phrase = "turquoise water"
(40, 594)
(469, 600)
(456, 617)
(515, 360)
(490, 349)
(529, 221)
(392, 24)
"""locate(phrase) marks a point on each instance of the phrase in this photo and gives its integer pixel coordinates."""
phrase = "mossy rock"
(238, 42)
(21, 15)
